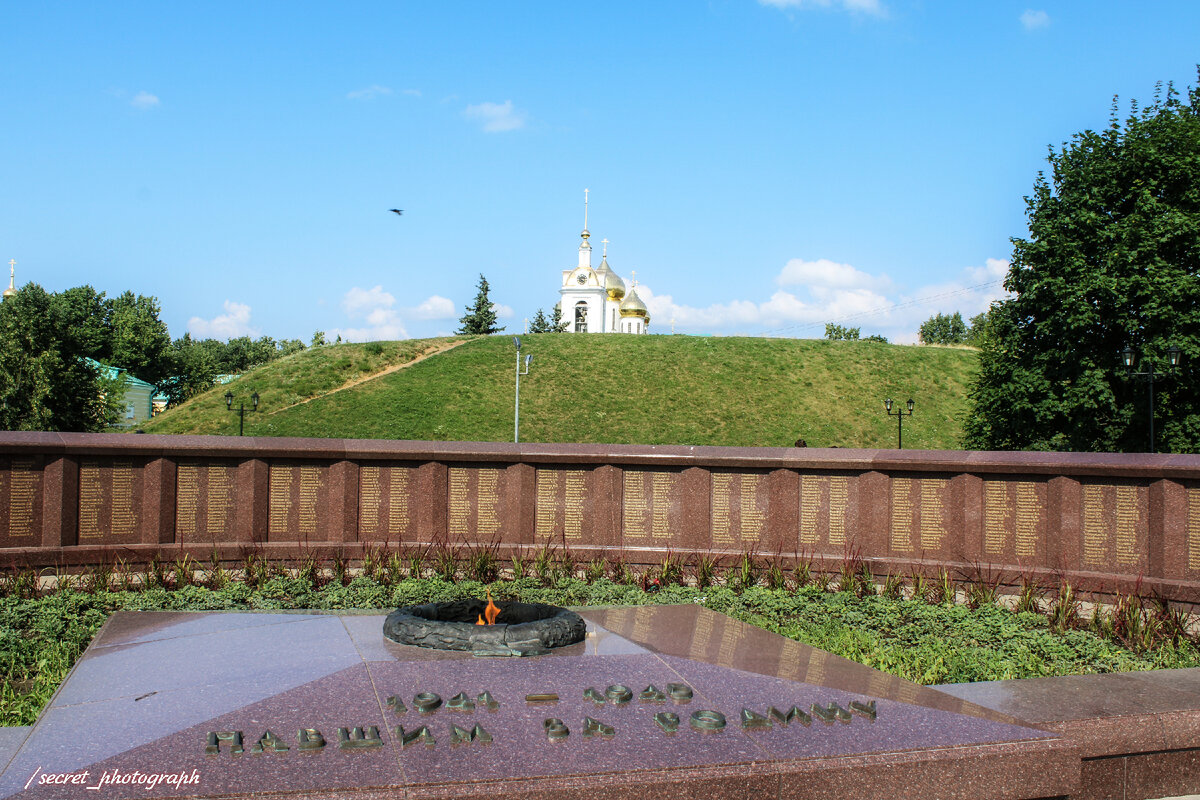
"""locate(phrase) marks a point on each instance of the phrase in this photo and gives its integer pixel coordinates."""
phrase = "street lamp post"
(241, 411)
(517, 403)
(899, 414)
(1127, 358)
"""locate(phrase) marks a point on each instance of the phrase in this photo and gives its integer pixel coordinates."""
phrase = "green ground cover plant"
(910, 627)
(609, 389)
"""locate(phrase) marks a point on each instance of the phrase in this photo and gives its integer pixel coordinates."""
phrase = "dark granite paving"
(155, 689)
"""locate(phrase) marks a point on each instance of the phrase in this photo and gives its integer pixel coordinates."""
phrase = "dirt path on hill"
(435, 350)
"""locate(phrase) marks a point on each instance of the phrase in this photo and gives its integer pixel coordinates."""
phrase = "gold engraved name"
(902, 515)
(722, 522)
(995, 516)
(753, 519)
(1193, 528)
(634, 503)
(1096, 530)
(546, 518)
(932, 529)
(459, 510)
(22, 489)
(310, 484)
(279, 499)
(1027, 519)
(576, 495)
(124, 522)
(813, 512)
(187, 500)
(487, 500)
(1127, 523)
(660, 489)
(91, 497)
(398, 501)
(369, 495)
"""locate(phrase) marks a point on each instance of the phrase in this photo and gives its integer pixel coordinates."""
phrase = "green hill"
(615, 389)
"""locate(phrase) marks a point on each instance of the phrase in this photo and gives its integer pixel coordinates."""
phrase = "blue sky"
(765, 167)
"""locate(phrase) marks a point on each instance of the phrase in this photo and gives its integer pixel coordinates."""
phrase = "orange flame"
(491, 612)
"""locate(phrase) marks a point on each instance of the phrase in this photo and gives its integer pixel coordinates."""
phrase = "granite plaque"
(1115, 526)
(298, 502)
(740, 501)
(205, 499)
(562, 497)
(473, 503)
(1014, 520)
(1192, 528)
(110, 500)
(21, 501)
(651, 507)
(387, 503)
(824, 510)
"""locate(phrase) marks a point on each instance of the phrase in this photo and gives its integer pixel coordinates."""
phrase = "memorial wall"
(1105, 520)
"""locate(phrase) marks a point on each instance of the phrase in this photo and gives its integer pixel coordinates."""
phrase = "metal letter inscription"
(270, 743)
(863, 709)
(618, 694)
(594, 727)
(359, 738)
(427, 702)
(590, 693)
(232, 738)
(541, 697)
(396, 704)
(421, 734)
(831, 712)
(667, 721)
(707, 721)
(796, 715)
(680, 692)
(652, 694)
(556, 731)
(463, 736)
(460, 702)
(310, 739)
(485, 700)
(752, 719)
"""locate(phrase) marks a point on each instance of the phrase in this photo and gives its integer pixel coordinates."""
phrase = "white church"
(594, 300)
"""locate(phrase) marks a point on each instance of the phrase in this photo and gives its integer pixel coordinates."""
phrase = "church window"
(581, 317)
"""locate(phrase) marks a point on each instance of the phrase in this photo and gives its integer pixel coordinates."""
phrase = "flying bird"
(399, 212)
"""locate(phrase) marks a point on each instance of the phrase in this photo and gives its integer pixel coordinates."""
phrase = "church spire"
(12, 278)
(585, 248)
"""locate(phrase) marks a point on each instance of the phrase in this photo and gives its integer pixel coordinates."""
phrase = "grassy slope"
(617, 389)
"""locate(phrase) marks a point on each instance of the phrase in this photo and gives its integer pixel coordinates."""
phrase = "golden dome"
(632, 305)
(9, 292)
(613, 285)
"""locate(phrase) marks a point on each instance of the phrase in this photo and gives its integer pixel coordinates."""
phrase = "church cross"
(634, 273)
(605, 243)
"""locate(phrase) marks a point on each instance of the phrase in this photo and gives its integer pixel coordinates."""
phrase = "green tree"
(481, 315)
(943, 329)
(978, 331)
(540, 323)
(1112, 259)
(88, 315)
(838, 332)
(557, 323)
(140, 342)
(45, 382)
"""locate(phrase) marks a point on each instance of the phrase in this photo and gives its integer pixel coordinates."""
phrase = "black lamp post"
(1127, 358)
(241, 410)
(899, 414)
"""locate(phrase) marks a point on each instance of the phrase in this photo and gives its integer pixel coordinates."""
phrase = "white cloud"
(234, 322)
(502, 311)
(496, 117)
(369, 93)
(144, 100)
(358, 302)
(1032, 20)
(872, 7)
(411, 92)
(375, 307)
(825, 291)
(824, 272)
(436, 307)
